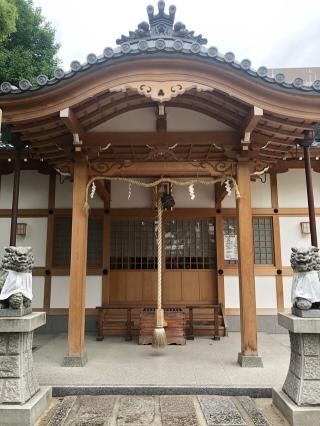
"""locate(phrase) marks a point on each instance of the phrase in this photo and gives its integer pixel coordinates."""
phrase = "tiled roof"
(162, 36)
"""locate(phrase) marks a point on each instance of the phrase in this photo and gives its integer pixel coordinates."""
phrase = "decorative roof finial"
(161, 26)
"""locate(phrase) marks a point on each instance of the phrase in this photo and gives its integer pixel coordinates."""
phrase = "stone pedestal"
(250, 361)
(18, 383)
(302, 384)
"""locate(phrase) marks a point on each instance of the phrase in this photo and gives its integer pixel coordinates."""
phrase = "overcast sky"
(274, 33)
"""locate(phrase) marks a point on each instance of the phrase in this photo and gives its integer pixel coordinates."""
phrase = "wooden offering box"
(175, 318)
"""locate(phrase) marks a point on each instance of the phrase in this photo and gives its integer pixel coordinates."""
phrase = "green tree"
(31, 49)
(8, 17)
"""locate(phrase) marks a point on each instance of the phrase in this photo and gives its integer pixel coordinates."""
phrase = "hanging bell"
(167, 201)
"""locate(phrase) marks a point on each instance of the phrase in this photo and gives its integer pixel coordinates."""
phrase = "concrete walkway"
(199, 363)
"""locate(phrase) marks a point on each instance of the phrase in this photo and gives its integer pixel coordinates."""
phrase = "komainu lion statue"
(16, 278)
(305, 263)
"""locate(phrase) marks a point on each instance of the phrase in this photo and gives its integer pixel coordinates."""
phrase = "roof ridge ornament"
(161, 25)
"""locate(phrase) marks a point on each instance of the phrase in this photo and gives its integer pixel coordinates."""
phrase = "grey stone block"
(310, 313)
(22, 324)
(15, 312)
(299, 325)
(250, 361)
(219, 410)
(9, 366)
(26, 414)
(296, 415)
(75, 361)
(253, 392)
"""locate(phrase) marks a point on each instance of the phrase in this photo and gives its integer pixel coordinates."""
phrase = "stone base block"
(75, 361)
(26, 414)
(250, 361)
(310, 313)
(296, 415)
(15, 312)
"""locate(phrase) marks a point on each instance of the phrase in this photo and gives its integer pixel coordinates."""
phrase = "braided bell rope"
(159, 284)
(159, 182)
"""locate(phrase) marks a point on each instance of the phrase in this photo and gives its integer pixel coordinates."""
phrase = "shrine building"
(161, 105)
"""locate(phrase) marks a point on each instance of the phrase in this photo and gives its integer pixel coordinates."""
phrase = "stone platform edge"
(295, 414)
(298, 324)
(22, 324)
(26, 414)
(253, 392)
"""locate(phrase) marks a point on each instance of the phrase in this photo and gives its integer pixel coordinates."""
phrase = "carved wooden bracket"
(161, 91)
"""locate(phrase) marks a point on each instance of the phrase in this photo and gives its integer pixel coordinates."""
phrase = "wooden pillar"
(15, 196)
(50, 236)
(312, 212)
(277, 240)
(219, 244)
(248, 357)
(106, 247)
(77, 295)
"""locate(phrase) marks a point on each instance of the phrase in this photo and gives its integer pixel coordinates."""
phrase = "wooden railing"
(123, 320)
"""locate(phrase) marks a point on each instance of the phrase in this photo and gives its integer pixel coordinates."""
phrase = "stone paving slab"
(220, 411)
(91, 410)
(254, 413)
(178, 411)
(136, 410)
(157, 410)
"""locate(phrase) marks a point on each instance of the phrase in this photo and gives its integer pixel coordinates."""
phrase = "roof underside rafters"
(273, 137)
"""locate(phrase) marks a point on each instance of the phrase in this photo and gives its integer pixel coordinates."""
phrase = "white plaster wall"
(292, 190)
(204, 196)
(140, 120)
(231, 292)
(93, 291)
(266, 293)
(59, 292)
(140, 197)
(36, 236)
(63, 198)
(260, 196)
(178, 120)
(290, 236)
(287, 285)
(33, 194)
(229, 201)
(261, 193)
(38, 292)
(184, 120)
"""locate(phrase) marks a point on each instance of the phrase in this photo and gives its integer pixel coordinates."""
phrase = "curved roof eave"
(123, 69)
(169, 46)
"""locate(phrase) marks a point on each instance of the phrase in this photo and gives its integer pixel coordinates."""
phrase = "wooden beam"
(219, 194)
(153, 138)
(249, 124)
(102, 191)
(287, 123)
(280, 132)
(78, 268)
(249, 345)
(71, 122)
(163, 168)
